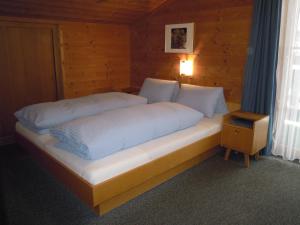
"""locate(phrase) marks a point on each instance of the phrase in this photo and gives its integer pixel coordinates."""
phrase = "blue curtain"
(260, 71)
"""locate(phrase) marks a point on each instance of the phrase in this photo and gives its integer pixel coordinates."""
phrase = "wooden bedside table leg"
(247, 160)
(257, 156)
(227, 154)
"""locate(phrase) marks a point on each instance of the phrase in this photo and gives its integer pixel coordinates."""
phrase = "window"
(287, 109)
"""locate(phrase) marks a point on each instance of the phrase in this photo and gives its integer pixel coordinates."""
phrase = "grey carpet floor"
(214, 192)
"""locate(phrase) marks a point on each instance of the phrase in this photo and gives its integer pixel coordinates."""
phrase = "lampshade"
(186, 67)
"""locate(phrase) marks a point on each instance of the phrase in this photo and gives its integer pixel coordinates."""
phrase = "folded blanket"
(40, 117)
(101, 135)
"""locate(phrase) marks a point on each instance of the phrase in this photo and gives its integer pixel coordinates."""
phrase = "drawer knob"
(236, 132)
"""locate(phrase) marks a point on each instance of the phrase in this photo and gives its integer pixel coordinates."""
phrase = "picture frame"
(179, 38)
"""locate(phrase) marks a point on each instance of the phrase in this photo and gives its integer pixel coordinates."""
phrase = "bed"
(109, 182)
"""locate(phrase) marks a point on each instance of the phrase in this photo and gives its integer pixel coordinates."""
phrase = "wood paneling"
(95, 57)
(116, 11)
(221, 40)
(28, 72)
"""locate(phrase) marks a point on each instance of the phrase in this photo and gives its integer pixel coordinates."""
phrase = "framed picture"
(179, 38)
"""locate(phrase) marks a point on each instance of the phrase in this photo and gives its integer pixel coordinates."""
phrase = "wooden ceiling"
(114, 11)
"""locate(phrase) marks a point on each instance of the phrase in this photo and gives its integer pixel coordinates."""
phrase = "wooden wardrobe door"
(27, 70)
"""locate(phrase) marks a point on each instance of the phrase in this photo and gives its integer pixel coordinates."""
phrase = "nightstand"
(128, 90)
(131, 90)
(244, 132)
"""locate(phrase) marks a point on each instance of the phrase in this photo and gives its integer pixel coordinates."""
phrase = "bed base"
(116, 191)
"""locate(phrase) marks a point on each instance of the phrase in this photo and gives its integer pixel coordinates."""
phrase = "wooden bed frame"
(110, 194)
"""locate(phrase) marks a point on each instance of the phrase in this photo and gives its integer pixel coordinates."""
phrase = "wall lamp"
(186, 68)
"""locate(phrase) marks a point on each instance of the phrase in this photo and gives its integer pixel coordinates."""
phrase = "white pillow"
(208, 100)
(221, 104)
(156, 90)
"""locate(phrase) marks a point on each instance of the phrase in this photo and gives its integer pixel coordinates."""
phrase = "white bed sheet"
(103, 169)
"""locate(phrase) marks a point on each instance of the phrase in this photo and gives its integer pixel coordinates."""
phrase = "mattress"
(98, 171)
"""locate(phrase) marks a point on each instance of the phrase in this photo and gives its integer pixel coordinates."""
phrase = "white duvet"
(97, 136)
(40, 117)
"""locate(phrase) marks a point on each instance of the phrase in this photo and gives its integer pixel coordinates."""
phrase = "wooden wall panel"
(28, 74)
(221, 40)
(95, 57)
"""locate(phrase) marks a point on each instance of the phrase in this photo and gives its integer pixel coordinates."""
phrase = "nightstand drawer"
(237, 138)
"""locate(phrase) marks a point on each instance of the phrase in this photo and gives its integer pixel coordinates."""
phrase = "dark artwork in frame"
(178, 38)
